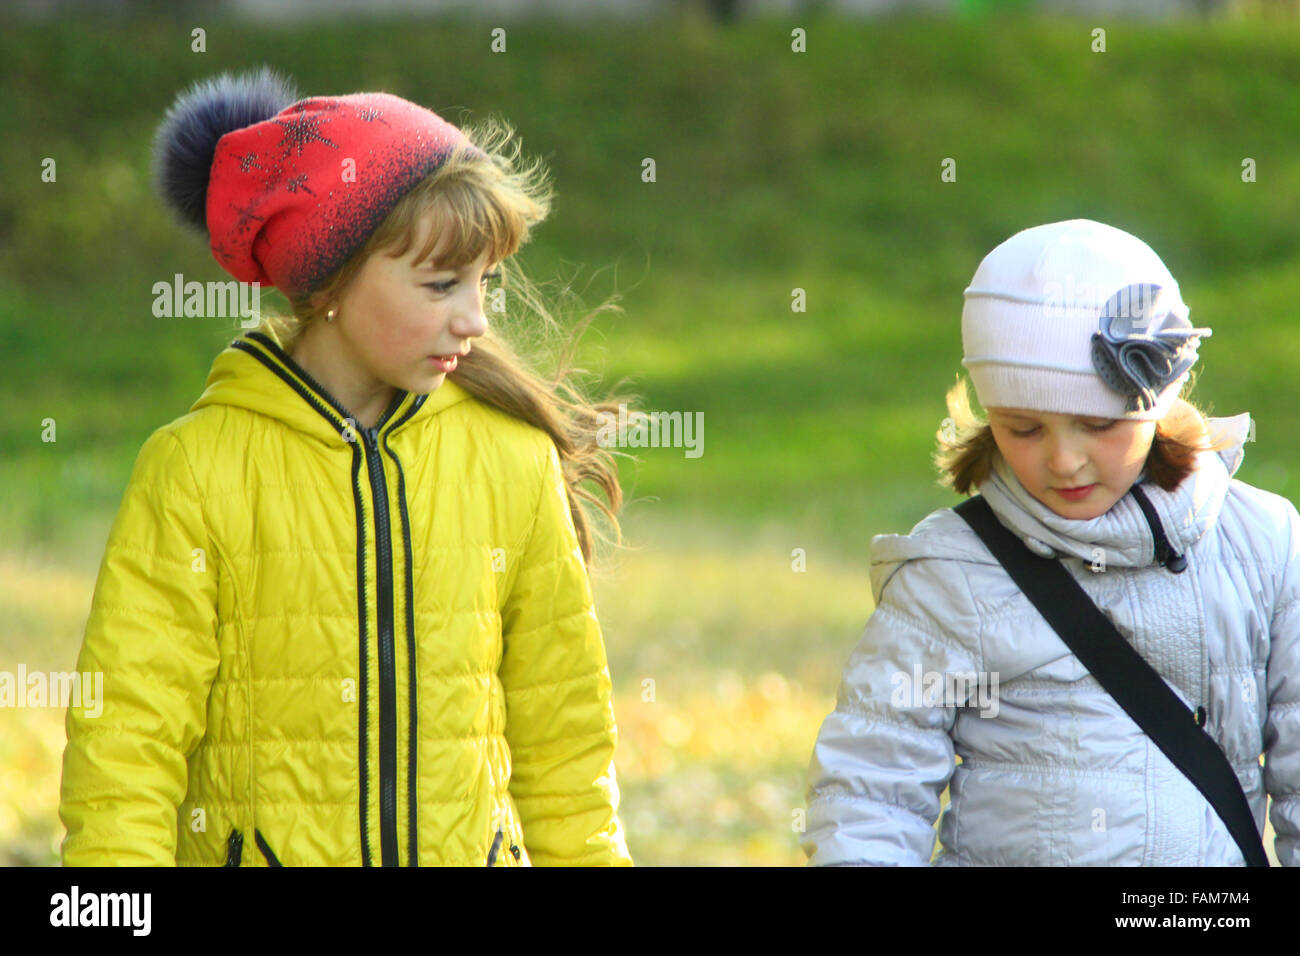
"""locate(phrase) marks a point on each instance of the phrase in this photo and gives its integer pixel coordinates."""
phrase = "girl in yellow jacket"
(344, 616)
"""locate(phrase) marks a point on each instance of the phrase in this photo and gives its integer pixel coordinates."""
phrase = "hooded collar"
(255, 373)
(1124, 533)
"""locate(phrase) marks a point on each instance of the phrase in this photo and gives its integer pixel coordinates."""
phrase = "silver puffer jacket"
(956, 661)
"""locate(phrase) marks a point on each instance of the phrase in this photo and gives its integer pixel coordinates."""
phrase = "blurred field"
(775, 171)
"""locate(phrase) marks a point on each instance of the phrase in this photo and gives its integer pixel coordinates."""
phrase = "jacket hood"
(255, 373)
(1123, 532)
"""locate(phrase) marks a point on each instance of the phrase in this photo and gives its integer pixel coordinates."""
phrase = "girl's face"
(408, 323)
(1051, 453)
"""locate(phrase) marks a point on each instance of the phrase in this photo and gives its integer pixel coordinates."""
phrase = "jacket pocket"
(234, 848)
(271, 859)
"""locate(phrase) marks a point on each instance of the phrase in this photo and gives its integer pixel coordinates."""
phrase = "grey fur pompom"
(186, 139)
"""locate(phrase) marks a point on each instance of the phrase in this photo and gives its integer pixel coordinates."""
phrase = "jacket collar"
(1124, 533)
(255, 373)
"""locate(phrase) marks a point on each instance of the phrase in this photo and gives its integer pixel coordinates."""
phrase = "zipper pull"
(234, 848)
(371, 436)
(496, 845)
(1165, 555)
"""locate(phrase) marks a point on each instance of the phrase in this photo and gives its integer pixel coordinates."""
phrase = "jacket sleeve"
(559, 698)
(883, 758)
(1282, 725)
(151, 633)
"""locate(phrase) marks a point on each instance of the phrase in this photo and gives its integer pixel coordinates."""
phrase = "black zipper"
(387, 669)
(363, 658)
(412, 851)
(387, 656)
(1165, 554)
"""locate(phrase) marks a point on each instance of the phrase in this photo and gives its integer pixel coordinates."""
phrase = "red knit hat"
(286, 189)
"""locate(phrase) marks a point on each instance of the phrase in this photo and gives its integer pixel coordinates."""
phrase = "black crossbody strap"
(1122, 671)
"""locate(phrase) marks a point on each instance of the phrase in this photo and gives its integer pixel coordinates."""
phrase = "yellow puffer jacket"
(327, 646)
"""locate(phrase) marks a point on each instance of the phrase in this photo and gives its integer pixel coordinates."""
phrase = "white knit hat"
(1077, 318)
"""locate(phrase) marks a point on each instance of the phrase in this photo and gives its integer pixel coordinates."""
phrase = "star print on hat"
(288, 189)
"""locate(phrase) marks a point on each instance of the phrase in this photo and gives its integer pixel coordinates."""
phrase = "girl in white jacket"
(1078, 344)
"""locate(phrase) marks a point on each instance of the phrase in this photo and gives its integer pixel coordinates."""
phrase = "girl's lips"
(1074, 494)
(444, 363)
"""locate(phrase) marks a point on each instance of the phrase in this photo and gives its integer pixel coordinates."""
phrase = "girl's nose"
(1064, 459)
(470, 320)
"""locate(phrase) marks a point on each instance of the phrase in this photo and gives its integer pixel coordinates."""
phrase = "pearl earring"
(329, 316)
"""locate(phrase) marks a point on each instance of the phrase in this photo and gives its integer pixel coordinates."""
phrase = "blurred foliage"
(775, 171)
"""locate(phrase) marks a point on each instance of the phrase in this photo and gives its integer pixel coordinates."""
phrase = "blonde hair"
(967, 446)
(490, 201)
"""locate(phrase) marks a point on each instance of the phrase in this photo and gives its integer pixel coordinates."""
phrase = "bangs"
(467, 219)
(480, 202)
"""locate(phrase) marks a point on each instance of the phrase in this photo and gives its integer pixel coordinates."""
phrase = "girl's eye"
(1096, 428)
(450, 283)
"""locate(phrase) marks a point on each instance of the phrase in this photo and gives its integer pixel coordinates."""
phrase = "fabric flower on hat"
(1143, 343)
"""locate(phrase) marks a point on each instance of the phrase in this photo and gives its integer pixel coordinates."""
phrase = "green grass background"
(775, 171)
